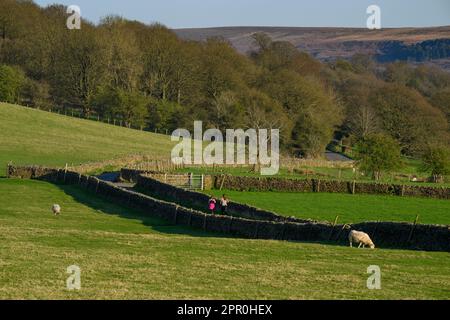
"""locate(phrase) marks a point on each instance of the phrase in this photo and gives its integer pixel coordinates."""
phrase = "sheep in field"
(360, 237)
(56, 209)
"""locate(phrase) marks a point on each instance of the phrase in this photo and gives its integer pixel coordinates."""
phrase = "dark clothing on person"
(224, 209)
(224, 205)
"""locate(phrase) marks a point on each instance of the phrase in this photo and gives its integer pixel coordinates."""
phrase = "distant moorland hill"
(414, 44)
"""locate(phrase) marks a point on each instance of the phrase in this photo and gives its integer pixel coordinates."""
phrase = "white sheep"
(56, 209)
(360, 237)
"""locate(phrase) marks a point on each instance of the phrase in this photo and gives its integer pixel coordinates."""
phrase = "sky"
(289, 13)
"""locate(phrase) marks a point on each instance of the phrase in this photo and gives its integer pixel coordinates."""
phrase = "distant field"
(29, 136)
(350, 208)
(125, 255)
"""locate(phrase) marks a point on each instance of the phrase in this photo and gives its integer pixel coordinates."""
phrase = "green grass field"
(349, 208)
(30, 136)
(125, 255)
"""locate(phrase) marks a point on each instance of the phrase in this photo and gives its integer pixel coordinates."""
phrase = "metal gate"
(192, 182)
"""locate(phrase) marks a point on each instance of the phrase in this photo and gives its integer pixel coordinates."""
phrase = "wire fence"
(93, 116)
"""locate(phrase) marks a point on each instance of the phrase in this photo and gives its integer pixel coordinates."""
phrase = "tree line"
(146, 76)
(421, 51)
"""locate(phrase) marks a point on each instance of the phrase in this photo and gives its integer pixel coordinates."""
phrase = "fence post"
(334, 225)
(65, 172)
(8, 168)
(375, 230)
(283, 230)
(256, 230)
(413, 228)
(223, 181)
(190, 218)
(229, 225)
(175, 216)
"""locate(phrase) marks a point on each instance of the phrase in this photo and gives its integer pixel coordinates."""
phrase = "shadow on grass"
(104, 205)
(100, 203)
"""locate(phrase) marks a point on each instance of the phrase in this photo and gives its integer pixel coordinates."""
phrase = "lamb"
(360, 237)
(56, 209)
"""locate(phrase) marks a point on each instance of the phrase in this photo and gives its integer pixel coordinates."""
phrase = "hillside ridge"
(324, 43)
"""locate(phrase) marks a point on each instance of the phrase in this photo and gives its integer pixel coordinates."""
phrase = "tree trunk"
(376, 175)
(436, 178)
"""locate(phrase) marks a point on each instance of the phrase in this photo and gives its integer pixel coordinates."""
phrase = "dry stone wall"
(330, 186)
(384, 234)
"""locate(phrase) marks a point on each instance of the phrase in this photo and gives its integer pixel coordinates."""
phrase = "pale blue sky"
(294, 13)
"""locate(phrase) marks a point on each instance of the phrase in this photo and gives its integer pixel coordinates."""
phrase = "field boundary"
(384, 234)
(153, 186)
(265, 184)
(236, 183)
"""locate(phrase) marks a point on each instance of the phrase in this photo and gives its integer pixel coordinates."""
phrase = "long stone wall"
(390, 234)
(331, 186)
(228, 182)
(150, 185)
(31, 172)
(384, 234)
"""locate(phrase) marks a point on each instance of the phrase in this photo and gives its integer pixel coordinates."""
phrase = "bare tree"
(364, 122)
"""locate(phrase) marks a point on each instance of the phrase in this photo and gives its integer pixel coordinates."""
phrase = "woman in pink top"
(212, 205)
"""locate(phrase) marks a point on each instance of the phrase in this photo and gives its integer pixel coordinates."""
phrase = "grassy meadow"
(30, 136)
(124, 254)
(349, 208)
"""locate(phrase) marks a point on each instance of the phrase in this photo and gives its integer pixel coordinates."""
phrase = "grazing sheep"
(56, 209)
(360, 237)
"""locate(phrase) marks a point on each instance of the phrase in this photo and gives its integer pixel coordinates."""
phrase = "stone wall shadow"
(101, 203)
